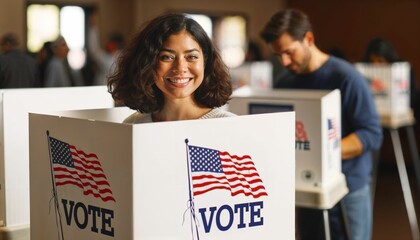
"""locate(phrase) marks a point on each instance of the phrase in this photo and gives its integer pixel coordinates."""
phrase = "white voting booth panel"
(319, 180)
(15, 104)
(390, 85)
(257, 75)
(210, 179)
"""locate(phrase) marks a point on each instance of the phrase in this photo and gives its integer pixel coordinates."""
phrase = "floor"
(390, 215)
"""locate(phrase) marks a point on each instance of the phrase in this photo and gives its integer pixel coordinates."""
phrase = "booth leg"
(374, 177)
(414, 152)
(405, 184)
(326, 225)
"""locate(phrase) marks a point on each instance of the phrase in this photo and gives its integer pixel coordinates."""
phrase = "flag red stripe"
(82, 176)
(222, 153)
(87, 192)
(249, 194)
(224, 183)
(231, 186)
(196, 193)
(105, 199)
(90, 155)
(245, 175)
(90, 167)
(238, 168)
(211, 182)
(82, 186)
(81, 183)
(196, 178)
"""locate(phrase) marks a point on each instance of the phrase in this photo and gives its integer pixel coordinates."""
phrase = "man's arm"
(351, 147)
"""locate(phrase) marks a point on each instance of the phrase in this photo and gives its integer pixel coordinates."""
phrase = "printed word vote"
(84, 216)
(224, 217)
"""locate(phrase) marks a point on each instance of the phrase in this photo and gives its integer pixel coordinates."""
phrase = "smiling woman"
(171, 71)
(180, 67)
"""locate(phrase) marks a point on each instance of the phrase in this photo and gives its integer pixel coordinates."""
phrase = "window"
(72, 27)
(204, 21)
(46, 22)
(232, 40)
(43, 25)
(228, 33)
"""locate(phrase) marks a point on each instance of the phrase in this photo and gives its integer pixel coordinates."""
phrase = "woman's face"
(180, 66)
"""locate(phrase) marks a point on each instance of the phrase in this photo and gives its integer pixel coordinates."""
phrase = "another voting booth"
(257, 75)
(93, 177)
(319, 180)
(390, 85)
(15, 104)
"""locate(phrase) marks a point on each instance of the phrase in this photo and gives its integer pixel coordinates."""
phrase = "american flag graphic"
(75, 167)
(212, 169)
(332, 128)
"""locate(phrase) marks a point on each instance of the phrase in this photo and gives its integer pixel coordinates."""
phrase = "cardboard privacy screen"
(390, 86)
(226, 178)
(15, 104)
(319, 180)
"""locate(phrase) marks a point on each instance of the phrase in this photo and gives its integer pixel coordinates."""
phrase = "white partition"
(160, 179)
(15, 104)
(319, 180)
(390, 86)
(257, 75)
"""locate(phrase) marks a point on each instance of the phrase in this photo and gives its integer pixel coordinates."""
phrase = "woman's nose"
(180, 65)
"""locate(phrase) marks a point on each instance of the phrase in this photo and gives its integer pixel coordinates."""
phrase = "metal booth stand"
(392, 126)
(323, 200)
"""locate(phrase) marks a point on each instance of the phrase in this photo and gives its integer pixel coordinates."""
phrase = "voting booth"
(319, 180)
(15, 104)
(390, 85)
(93, 177)
(257, 75)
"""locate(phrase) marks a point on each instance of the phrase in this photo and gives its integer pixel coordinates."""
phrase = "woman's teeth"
(179, 80)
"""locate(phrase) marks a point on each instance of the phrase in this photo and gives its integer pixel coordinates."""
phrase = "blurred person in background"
(103, 59)
(58, 71)
(17, 69)
(381, 51)
(43, 57)
(253, 53)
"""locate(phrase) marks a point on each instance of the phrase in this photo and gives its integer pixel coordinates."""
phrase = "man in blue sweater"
(290, 36)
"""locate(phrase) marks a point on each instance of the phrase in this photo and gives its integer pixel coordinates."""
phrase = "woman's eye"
(192, 57)
(166, 58)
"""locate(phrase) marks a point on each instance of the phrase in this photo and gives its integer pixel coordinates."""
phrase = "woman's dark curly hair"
(133, 83)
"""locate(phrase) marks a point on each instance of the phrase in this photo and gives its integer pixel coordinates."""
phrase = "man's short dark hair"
(291, 21)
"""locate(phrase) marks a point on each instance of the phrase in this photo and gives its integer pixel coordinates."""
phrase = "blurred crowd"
(49, 67)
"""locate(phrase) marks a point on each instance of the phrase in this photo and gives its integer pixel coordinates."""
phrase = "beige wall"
(350, 25)
(12, 18)
(258, 11)
(126, 16)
